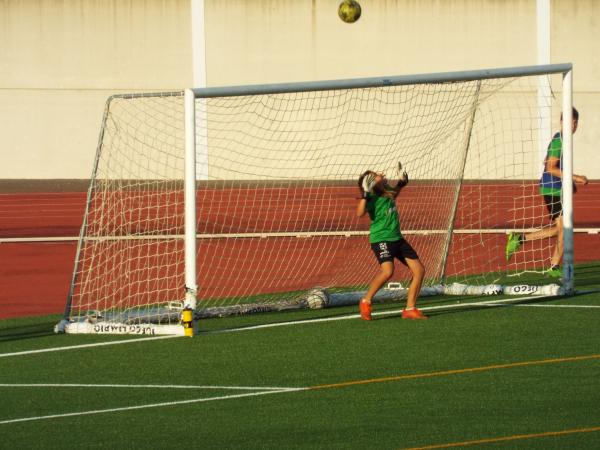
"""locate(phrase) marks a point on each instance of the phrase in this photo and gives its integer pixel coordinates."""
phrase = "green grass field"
(523, 376)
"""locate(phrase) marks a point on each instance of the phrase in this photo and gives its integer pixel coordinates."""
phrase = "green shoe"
(554, 272)
(513, 244)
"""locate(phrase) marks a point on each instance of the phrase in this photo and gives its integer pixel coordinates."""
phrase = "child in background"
(551, 191)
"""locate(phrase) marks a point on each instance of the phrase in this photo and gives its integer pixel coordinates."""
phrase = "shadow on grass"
(587, 276)
(27, 331)
(488, 305)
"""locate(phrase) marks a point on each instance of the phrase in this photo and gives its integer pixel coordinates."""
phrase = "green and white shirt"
(549, 184)
(385, 223)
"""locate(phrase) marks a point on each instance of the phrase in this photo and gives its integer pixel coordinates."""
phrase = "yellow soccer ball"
(349, 11)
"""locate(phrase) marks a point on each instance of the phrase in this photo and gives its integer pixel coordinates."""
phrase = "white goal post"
(241, 199)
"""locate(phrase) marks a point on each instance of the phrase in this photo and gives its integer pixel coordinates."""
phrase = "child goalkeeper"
(378, 199)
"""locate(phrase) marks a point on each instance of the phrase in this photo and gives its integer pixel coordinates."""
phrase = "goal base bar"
(317, 298)
(454, 289)
(85, 327)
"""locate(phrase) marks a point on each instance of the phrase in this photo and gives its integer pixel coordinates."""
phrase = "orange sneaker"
(413, 314)
(365, 310)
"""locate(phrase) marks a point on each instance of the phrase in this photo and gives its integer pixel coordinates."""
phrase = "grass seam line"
(455, 371)
(507, 438)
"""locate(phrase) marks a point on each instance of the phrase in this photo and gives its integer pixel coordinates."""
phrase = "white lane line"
(145, 386)
(560, 306)
(492, 303)
(151, 405)
(489, 303)
(76, 347)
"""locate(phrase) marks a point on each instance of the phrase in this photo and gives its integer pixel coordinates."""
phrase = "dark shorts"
(553, 205)
(388, 250)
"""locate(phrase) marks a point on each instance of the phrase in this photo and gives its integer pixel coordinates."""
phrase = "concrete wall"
(59, 61)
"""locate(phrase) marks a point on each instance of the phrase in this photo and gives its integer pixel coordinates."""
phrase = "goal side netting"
(273, 176)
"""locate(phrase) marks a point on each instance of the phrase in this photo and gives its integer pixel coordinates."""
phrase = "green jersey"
(549, 184)
(385, 224)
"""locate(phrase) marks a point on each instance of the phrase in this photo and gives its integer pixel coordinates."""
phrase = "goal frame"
(192, 95)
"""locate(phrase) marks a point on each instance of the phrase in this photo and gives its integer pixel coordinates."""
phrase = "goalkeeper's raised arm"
(366, 186)
(402, 179)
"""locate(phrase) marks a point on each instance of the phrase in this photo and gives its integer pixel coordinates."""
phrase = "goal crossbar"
(373, 82)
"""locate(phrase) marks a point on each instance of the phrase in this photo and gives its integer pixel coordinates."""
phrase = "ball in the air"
(349, 11)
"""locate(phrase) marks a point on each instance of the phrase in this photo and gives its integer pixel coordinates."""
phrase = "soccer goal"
(220, 201)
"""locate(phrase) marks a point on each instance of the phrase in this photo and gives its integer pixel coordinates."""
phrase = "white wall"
(59, 61)
(576, 38)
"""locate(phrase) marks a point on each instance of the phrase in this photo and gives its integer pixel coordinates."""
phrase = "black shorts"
(388, 250)
(553, 205)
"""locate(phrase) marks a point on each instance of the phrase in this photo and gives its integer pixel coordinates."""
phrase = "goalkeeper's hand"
(402, 176)
(368, 184)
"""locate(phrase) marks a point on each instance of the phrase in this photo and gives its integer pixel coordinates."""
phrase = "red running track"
(36, 275)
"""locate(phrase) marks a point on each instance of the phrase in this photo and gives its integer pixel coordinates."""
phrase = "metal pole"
(190, 200)
(469, 131)
(567, 181)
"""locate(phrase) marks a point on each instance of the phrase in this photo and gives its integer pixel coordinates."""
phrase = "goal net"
(271, 194)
